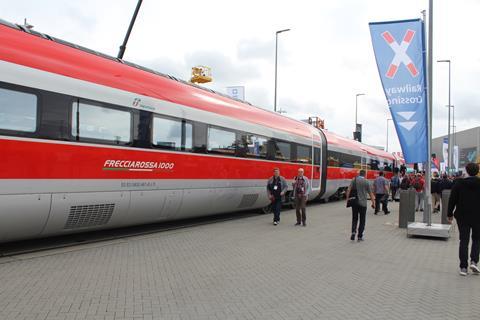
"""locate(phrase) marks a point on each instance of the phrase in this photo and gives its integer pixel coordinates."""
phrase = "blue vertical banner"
(399, 48)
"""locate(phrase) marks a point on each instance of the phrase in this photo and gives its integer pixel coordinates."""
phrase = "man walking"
(381, 189)
(436, 192)
(464, 200)
(359, 208)
(276, 188)
(395, 184)
(301, 189)
(418, 185)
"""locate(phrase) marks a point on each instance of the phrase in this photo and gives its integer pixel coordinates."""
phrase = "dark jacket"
(435, 186)
(281, 186)
(445, 184)
(464, 200)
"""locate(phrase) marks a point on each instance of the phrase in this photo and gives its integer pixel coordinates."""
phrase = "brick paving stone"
(247, 269)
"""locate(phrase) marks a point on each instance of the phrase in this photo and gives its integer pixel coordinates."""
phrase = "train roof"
(30, 48)
(33, 49)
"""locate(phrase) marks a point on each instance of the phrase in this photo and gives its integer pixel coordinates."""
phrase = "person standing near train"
(276, 188)
(301, 189)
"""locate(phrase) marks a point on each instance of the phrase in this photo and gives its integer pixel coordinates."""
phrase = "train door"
(320, 163)
(316, 169)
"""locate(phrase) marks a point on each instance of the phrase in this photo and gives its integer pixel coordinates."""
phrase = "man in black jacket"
(276, 188)
(464, 200)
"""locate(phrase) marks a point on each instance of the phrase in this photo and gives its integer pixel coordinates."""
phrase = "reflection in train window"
(387, 166)
(18, 111)
(283, 151)
(304, 154)
(167, 134)
(374, 164)
(94, 122)
(221, 141)
(332, 159)
(188, 140)
(344, 160)
(252, 146)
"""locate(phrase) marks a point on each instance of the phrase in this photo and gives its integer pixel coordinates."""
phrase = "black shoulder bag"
(352, 200)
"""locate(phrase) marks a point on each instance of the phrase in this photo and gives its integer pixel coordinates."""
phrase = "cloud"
(225, 70)
(256, 49)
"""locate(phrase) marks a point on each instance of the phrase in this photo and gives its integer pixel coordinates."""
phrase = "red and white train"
(88, 142)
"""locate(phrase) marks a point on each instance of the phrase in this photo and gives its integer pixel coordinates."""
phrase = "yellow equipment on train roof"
(201, 74)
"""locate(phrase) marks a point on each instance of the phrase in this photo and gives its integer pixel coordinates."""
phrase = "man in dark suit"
(464, 200)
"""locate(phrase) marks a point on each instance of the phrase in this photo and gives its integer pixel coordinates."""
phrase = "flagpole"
(427, 215)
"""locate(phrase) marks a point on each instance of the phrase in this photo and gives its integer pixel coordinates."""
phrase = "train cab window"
(283, 151)
(252, 146)
(18, 111)
(101, 123)
(221, 141)
(316, 156)
(167, 134)
(304, 154)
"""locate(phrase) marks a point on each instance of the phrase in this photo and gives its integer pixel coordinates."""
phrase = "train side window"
(374, 164)
(95, 122)
(200, 137)
(387, 166)
(18, 111)
(252, 146)
(333, 159)
(221, 141)
(187, 136)
(304, 154)
(346, 160)
(167, 134)
(283, 151)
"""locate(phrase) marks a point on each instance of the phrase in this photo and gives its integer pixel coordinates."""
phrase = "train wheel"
(267, 209)
(292, 204)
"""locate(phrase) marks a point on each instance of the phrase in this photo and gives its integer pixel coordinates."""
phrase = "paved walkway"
(247, 269)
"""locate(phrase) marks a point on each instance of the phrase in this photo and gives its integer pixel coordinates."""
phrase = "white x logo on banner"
(400, 53)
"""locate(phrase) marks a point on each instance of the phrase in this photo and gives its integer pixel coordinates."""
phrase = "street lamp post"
(356, 108)
(454, 137)
(387, 132)
(449, 161)
(276, 57)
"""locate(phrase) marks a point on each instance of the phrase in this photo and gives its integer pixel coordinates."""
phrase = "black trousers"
(383, 199)
(394, 191)
(464, 229)
(358, 211)
(276, 207)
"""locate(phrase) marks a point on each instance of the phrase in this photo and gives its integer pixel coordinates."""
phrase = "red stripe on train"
(34, 160)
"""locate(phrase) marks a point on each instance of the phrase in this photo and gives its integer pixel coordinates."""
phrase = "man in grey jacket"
(276, 188)
(361, 188)
(301, 190)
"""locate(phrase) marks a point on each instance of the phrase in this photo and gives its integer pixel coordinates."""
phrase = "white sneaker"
(463, 272)
(474, 268)
(275, 223)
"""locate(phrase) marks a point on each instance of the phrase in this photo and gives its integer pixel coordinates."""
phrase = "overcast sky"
(323, 62)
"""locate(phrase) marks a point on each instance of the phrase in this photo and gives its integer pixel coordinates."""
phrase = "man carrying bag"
(357, 199)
